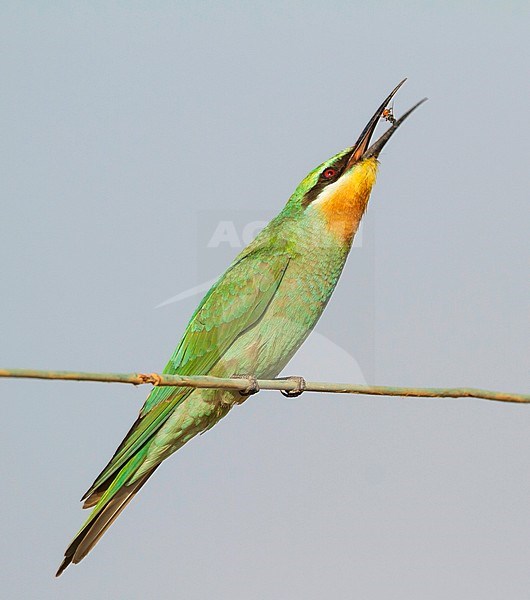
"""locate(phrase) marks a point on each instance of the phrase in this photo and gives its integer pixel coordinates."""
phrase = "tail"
(107, 508)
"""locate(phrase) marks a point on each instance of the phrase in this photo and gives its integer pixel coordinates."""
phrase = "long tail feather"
(106, 511)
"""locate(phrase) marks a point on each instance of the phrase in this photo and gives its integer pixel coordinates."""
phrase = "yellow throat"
(342, 204)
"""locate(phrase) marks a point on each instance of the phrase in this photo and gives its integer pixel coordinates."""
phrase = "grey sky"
(128, 132)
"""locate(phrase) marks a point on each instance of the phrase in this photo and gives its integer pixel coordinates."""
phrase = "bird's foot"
(252, 388)
(298, 390)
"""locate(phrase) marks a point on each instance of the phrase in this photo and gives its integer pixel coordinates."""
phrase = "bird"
(250, 323)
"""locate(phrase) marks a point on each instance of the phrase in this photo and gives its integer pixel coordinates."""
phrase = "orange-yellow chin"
(343, 203)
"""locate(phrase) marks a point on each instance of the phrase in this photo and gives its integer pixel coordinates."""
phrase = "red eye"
(329, 173)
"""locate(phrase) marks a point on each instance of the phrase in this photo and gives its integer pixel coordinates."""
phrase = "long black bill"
(377, 146)
(361, 147)
(363, 142)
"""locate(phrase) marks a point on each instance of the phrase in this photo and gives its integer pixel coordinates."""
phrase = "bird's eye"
(329, 173)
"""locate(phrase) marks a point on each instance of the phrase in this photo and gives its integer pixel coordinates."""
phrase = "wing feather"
(233, 304)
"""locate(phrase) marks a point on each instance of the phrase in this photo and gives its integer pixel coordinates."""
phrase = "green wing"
(233, 305)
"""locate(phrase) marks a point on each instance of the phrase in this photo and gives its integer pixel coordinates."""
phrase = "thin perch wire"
(266, 384)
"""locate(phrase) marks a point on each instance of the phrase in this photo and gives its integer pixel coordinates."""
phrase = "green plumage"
(252, 321)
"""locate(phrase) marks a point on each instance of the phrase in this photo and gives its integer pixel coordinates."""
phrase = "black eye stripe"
(338, 166)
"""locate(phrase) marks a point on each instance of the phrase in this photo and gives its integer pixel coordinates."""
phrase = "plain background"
(129, 129)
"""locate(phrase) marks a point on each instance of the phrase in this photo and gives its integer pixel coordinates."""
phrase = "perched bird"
(252, 321)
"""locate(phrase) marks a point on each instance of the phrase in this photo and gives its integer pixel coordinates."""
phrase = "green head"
(338, 190)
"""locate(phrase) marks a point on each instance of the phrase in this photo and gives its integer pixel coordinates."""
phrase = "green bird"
(252, 321)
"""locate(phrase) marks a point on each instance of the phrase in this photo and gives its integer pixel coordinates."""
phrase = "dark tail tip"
(66, 561)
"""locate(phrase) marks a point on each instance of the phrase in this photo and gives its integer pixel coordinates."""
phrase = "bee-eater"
(252, 321)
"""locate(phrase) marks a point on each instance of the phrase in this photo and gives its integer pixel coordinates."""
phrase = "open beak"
(362, 148)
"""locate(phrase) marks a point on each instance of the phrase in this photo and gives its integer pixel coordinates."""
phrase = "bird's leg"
(252, 388)
(299, 389)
